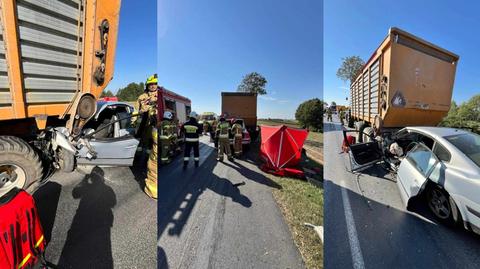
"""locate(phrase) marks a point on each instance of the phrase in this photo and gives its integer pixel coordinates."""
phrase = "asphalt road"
(205, 221)
(99, 218)
(367, 225)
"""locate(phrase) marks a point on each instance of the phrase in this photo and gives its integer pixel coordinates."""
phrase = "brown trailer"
(406, 82)
(240, 105)
(56, 57)
(53, 56)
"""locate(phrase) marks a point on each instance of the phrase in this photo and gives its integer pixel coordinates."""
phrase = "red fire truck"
(180, 106)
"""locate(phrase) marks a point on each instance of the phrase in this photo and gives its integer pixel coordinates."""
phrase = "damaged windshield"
(469, 144)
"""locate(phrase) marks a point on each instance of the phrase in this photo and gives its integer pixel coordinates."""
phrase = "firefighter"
(329, 114)
(192, 131)
(223, 131)
(213, 129)
(342, 116)
(167, 138)
(237, 130)
(147, 106)
(206, 127)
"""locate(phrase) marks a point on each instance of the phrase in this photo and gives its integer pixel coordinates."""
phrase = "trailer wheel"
(360, 126)
(20, 165)
(367, 134)
(66, 160)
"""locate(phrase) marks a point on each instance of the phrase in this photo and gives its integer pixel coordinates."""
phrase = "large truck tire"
(20, 165)
(360, 126)
(367, 134)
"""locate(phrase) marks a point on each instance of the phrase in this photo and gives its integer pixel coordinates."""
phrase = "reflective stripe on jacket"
(223, 129)
(192, 130)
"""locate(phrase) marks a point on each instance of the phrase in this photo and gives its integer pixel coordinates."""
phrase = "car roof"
(438, 132)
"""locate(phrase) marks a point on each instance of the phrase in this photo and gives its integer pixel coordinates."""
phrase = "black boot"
(196, 163)
(185, 165)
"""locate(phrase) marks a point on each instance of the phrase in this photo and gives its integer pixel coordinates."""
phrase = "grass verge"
(300, 202)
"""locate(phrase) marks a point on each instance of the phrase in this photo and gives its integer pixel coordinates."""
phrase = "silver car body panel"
(460, 176)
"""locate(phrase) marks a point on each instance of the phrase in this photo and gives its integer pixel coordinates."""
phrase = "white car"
(442, 163)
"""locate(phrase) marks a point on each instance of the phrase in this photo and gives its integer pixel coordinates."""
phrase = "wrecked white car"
(442, 163)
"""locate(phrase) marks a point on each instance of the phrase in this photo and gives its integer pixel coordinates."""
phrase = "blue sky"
(204, 49)
(136, 53)
(358, 27)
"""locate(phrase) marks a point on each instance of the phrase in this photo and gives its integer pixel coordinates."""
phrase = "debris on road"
(318, 229)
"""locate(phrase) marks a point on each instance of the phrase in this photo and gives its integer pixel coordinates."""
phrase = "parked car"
(442, 163)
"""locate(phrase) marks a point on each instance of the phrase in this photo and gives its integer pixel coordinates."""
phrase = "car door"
(361, 155)
(111, 151)
(415, 169)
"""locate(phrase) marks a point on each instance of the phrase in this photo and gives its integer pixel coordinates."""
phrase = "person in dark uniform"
(192, 131)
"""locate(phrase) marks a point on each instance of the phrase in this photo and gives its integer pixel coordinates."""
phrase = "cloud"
(344, 88)
(268, 98)
(273, 99)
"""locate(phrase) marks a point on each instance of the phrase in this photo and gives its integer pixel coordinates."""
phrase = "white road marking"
(357, 257)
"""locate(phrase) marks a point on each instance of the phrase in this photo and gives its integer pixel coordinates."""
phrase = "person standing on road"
(166, 137)
(342, 116)
(223, 131)
(237, 130)
(192, 131)
(147, 106)
(329, 114)
(213, 132)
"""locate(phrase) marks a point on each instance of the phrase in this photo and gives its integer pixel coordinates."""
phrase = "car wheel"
(442, 205)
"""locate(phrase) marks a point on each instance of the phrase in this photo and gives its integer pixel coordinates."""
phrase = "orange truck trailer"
(56, 57)
(406, 82)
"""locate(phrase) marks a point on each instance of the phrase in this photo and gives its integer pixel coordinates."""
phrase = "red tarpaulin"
(281, 149)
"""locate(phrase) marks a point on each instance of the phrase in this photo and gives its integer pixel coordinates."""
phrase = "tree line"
(128, 93)
(465, 115)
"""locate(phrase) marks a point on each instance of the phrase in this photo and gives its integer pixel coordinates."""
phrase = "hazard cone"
(151, 180)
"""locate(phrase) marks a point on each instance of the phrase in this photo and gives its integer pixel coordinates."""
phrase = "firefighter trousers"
(237, 145)
(165, 144)
(196, 152)
(223, 147)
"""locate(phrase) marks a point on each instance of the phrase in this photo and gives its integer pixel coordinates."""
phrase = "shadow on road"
(179, 191)
(390, 238)
(139, 169)
(252, 175)
(46, 199)
(88, 243)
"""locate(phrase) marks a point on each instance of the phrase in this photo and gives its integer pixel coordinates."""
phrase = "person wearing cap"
(192, 131)
(223, 131)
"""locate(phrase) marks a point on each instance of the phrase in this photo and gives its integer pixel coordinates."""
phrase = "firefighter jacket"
(147, 101)
(237, 130)
(223, 130)
(192, 130)
(167, 129)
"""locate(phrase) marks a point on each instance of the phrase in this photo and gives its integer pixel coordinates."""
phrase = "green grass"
(315, 139)
(274, 122)
(300, 202)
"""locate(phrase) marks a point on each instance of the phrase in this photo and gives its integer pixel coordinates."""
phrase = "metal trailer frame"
(406, 81)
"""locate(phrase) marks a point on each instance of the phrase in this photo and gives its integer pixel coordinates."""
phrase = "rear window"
(469, 144)
(441, 152)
